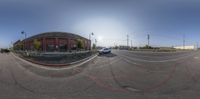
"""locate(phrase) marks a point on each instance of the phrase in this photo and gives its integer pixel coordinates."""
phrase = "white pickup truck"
(104, 51)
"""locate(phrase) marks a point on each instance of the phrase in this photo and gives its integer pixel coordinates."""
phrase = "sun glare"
(99, 38)
(109, 28)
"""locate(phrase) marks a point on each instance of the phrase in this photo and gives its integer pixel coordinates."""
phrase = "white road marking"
(150, 51)
(132, 89)
(109, 63)
(168, 60)
(196, 57)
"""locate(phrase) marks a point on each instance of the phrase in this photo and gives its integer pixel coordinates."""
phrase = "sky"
(166, 21)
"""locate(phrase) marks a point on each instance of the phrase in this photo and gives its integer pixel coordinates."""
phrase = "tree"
(147, 47)
(94, 46)
(37, 44)
(79, 43)
(19, 46)
(116, 47)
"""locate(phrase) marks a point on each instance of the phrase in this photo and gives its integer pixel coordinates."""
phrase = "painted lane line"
(108, 63)
(142, 67)
(168, 60)
(152, 52)
(196, 57)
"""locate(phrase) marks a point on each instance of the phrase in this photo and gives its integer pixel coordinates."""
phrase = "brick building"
(53, 41)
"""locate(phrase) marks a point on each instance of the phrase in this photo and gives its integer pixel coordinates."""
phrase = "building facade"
(53, 41)
(192, 47)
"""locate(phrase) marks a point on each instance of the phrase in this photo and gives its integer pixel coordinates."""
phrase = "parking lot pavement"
(119, 75)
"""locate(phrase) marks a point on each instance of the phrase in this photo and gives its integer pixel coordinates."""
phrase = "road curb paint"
(60, 67)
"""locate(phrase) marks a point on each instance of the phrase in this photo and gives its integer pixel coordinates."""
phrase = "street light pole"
(96, 42)
(25, 35)
(90, 38)
(148, 37)
(11, 47)
(90, 35)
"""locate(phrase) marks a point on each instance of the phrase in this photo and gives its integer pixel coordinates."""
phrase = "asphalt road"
(120, 75)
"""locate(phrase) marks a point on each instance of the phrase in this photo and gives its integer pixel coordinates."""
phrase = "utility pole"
(127, 40)
(183, 41)
(197, 45)
(131, 44)
(148, 38)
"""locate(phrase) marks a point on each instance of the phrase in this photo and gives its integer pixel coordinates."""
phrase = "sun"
(106, 29)
(99, 38)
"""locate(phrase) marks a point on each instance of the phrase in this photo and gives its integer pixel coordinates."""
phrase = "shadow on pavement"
(107, 55)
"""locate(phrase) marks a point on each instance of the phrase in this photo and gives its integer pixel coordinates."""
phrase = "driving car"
(104, 51)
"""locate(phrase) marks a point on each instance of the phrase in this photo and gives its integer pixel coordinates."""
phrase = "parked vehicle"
(104, 51)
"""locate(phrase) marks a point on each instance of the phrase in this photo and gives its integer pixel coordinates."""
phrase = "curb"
(57, 66)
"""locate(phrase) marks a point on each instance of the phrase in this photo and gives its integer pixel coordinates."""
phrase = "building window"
(63, 47)
(50, 47)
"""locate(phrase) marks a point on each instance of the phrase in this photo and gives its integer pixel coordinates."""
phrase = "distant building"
(53, 41)
(192, 47)
(122, 47)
